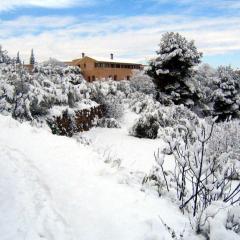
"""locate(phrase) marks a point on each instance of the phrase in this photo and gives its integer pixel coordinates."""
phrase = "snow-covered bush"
(157, 122)
(226, 97)
(172, 68)
(101, 89)
(218, 221)
(124, 87)
(64, 120)
(226, 140)
(141, 82)
(108, 123)
(158, 178)
(233, 219)
(139, 102)
(202, 177)
(146, 127)
(112, 107)
(108, 95)
(30, 96)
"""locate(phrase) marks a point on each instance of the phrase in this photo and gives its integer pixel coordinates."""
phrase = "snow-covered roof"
(117, 60)
(109, 60)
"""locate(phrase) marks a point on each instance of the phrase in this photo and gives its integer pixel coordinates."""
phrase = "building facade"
(98, 69)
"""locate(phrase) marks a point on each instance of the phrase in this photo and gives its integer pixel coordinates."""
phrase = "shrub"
(29, 97)
(109, 97)
(225, 140)
(201, 177)
(139, 102)
(146, 127)
(108, 123)
(140, 82)
(157, 122)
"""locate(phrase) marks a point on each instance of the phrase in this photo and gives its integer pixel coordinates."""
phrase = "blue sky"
(131, 29)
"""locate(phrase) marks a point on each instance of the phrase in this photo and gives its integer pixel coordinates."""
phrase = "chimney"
(111, 56)
(83, 55)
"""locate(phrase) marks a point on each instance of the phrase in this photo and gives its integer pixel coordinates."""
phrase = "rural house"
(98, 68)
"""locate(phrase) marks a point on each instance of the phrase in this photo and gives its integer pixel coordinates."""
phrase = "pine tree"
(172, 67)
(32, 58)
(18, 60)
(226, 97)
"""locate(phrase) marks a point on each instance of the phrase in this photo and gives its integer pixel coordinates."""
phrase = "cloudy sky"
(131, 29)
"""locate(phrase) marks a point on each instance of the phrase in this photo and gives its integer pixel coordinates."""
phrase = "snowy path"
(54, 188)
(135, 154)
(35, 215)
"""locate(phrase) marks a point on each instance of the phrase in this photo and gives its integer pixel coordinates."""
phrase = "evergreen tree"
(226, 97)
(18, 60)
(4, 58)
(32, 58)
(172, 68)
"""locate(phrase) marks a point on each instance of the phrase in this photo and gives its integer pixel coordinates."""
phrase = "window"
(89, 79)
(128, 78)
(115, 77)
(93, 78)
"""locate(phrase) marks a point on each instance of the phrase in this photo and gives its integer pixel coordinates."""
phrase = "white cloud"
(230, 4)
(132, 37)
(11, 4)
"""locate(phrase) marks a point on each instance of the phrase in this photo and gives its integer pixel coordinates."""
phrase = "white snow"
(55, 188)
(136, 154)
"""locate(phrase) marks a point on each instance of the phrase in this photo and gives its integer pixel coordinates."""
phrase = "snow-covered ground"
(56, 188)
(134, 153)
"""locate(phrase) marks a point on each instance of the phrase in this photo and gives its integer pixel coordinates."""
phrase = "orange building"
(97, 68)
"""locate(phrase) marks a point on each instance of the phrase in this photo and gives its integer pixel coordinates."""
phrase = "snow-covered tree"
(226, 97)
(32, 58)
(18, 60)
(4, 58)
(203, 79)
(172, 68)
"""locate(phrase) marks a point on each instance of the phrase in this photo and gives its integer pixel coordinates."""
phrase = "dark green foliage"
(172, 68)
(226, 97)
(146, 127)
(32, 58)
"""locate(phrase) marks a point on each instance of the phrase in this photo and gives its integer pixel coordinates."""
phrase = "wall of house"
(29, 67)
(91, 73)
(114, 73)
